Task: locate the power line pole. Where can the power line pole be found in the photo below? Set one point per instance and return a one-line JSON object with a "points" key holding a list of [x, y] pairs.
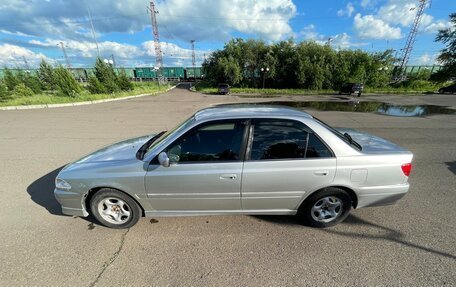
{"points": [[93, 30], [193, 58], [406, 51], [65, 55], [157, 45]]}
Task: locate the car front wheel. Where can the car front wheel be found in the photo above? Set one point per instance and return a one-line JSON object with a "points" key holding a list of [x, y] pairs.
{"points": [[326, 208], [115, 209]]}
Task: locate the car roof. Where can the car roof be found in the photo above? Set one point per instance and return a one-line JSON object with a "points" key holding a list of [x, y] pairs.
{"points": [[248, 111]]}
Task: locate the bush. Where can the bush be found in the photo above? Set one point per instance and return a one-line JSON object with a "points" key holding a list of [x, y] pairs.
{"points": [[95, 86], [4, 93], [123, 82], [46, 75], [22, 90], [106, 76], [65, 83], [32, 82], [11, 81]]}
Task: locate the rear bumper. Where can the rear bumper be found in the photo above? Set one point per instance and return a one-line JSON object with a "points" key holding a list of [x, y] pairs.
{"points": [[381, 195], [71, 202]]}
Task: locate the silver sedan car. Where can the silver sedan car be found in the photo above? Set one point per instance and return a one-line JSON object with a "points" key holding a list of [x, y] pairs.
{"points": [[237, 159]]}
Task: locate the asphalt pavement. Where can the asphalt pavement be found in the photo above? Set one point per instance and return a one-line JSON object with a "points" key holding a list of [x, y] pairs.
{"points": [[411, 243]]}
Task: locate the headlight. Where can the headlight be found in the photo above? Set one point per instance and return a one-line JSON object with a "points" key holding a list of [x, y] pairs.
{"points": [[61, 184]]}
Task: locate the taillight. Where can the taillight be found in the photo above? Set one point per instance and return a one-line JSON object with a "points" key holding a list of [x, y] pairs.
{"points": [[406, 168]]}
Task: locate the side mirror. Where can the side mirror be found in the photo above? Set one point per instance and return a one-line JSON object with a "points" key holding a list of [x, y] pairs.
{"points": [[163, 159]]}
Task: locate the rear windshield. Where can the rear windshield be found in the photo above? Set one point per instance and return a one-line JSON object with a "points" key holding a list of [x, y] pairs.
{"points": [[223, 86], [353, 144]]}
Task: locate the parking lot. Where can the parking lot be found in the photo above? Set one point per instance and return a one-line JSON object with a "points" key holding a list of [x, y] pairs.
{"points": [[411, 243]]}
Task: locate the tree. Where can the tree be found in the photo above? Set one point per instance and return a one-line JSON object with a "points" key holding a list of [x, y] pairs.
{"points": [[105, 74], [46, 75], [11, 81], [4, 93], [124, 82], [448, 54], [65, 83]]}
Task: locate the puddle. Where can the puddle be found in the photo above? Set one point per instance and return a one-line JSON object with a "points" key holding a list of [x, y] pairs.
{"points": [[369, 107], [153, 221]]}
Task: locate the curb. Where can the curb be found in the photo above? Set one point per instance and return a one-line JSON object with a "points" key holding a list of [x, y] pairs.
{"points": [[51, 106]]}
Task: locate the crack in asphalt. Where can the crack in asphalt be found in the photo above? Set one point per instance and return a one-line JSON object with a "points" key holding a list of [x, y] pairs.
{"points": [[111, 259]]}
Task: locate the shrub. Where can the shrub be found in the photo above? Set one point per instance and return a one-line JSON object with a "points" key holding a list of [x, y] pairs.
{"points": [[10, 79], [65, 83], [105, 74], [32, 82], [22, 90], [4, 93], [46, 75], [124, 82], [95, 86]]}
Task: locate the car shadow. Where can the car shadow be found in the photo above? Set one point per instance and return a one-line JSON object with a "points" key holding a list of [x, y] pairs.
{"points": [[383, 233], [451, 166], [41, 191]]}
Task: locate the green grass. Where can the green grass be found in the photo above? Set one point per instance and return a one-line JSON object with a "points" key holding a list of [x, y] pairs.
{"points": [[50, 98], [416, 90]]}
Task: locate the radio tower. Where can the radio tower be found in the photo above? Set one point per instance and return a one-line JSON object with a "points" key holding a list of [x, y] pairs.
{"points": [[411, 38], [193, 58], [158, 50]]}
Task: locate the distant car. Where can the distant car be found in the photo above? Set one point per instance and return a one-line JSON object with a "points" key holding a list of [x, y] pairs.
{"points": [[450, 89], [237, 159], [352, 88], [223, 89]]}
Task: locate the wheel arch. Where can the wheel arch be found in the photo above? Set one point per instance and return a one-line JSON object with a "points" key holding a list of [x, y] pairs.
{"points": [[348, 190], [89, 195]]}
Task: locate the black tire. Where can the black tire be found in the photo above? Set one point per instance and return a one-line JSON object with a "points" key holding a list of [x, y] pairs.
{"points": [[337, 195], [122, 204]]}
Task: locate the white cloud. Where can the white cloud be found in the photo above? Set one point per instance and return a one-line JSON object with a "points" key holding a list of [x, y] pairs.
{"points": [[343, 41], [348, 11], [436, 26], [386, 23], [180, 19], [366, 3], [13, 56], [309, 33], [338, 41], [426, 59], [369, 26]]}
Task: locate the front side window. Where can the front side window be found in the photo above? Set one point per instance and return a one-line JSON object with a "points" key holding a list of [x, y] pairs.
{"points": [[216, 141]]}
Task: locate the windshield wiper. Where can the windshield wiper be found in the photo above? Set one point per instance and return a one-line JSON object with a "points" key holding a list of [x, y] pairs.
{"points": [[142, 150], [351, 141]]}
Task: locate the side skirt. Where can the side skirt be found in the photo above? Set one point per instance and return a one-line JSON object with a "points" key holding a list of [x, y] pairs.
{"points": [[174, 213]]}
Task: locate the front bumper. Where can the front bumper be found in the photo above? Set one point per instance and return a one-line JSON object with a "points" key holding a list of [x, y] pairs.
{"points": [[381, 195], [72, 203]]}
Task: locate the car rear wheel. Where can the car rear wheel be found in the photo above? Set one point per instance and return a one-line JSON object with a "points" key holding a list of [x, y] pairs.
{"points": [[326, 208], [115, 209]]}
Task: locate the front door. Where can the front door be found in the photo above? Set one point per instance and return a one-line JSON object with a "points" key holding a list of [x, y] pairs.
{"points": [[205, 172], [285, 162]]}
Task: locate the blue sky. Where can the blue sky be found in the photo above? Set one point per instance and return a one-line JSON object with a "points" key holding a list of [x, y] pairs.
{"points": [[31, 30]]}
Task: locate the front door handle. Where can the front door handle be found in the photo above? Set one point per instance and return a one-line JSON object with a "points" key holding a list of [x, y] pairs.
{"points": [[228, 176], [321, 172]]}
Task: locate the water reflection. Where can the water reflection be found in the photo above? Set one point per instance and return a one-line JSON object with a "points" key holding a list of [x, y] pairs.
{"points": [[370, 107]]}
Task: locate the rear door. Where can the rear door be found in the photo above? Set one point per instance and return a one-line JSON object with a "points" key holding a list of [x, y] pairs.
{"points": [[285, 161]]}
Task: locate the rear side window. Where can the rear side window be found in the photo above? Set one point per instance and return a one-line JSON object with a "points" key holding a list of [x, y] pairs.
{"points": [[285, 139]]}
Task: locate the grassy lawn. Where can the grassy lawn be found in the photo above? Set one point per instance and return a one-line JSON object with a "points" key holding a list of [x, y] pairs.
{"points": [[203, 88], [48, 97]]}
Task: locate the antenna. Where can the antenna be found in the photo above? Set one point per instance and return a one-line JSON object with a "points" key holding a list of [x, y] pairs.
{"points": [[158, 50], [93, 30], [406, 51], [193, 57], [26, 63], [65, 55]]}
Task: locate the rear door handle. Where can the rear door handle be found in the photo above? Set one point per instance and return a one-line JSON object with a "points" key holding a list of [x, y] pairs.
{"points": [[321, 172], [228, 176]]}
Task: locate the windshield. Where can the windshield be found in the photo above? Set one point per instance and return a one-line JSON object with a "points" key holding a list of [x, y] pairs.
{"points": [[348, 139], [169, 133]]}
